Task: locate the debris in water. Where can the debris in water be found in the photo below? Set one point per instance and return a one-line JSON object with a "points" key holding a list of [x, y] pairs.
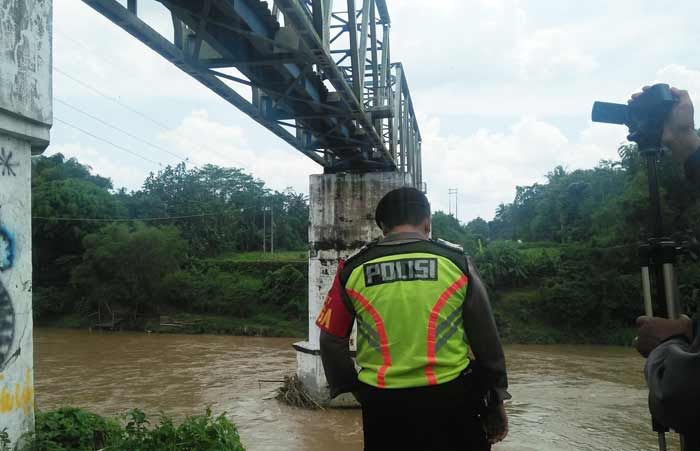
{"points": [[292, 392]]}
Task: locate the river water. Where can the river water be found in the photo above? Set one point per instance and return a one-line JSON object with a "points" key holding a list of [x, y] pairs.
{"points": [[579, 398]]}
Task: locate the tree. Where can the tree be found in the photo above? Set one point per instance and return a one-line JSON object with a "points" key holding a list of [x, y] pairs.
{"points": [[125, 266]]}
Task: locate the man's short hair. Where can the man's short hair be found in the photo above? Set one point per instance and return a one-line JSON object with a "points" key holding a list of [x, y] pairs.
{"points": [[402, 206]]}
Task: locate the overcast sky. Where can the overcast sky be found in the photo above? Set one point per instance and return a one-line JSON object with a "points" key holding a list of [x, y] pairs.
{"points": [[503, 90]]}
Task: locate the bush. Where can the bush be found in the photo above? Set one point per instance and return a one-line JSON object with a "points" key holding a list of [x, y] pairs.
{"points": [[76, 429], [71, 428], [502, 264], [286, 288]]}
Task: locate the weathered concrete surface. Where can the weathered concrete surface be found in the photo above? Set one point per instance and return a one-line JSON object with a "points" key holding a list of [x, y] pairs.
{"points": [[25, 121], [25, 70], [341, 222], [16, 362]]}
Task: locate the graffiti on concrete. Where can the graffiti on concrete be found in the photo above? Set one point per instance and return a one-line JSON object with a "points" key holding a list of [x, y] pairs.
{"points": [[7, 328], [7, 166], [19, 397], [7, 249]]}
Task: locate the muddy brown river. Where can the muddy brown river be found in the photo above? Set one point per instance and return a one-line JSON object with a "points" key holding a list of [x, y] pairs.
{"points": [[579, 398]]}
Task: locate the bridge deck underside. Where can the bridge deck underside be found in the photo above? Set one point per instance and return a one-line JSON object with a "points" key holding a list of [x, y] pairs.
{"points": [[286, 87]]}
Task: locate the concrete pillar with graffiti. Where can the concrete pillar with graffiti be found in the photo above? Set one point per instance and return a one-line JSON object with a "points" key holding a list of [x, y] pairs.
{"points": [[25, 120]]}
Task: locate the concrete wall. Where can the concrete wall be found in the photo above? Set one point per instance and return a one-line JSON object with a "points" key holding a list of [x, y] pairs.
{"points": [[16, 363], [341, 222], [25, 121]]}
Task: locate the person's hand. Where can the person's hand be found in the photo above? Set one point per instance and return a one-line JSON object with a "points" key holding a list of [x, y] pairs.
{"points": [[496, 423], [654, 331], [679, 131]]}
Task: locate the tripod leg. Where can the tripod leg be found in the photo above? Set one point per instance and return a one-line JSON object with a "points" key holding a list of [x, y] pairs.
{"points": [[662, 441], [646, 288], [670, 290]]}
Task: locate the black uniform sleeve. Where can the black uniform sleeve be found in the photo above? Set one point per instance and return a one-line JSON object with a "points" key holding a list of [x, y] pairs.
{"points": [[484, 341], [338, 364], [673, 376]]}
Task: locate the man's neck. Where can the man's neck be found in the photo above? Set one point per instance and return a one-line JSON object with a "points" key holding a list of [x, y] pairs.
{"points": [[409, 229]]}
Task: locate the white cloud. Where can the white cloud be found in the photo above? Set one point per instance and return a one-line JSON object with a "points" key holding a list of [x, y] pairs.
{"points": [[513, 67], [208, 141], [552, 53], [487, 165], [123, 173], [682, 77]]}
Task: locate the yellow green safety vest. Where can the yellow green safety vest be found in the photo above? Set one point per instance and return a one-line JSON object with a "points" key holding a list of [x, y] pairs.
{"points": [[408, 302]]}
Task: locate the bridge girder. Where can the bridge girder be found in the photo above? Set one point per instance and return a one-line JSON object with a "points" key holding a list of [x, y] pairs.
{"points": [[323, 81]]}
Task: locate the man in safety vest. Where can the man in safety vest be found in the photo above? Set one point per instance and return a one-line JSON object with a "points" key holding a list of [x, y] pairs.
{"points": [[420, 308]]}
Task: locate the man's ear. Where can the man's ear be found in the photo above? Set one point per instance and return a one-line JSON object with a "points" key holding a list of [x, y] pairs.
{"points": [[385, 232], [427, 226]]}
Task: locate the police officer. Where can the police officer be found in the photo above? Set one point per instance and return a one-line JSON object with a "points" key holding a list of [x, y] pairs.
{"points": [[420, 308]]}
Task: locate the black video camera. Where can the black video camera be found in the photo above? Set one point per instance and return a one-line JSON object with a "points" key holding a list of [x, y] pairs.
{"points": [[644, 116]]}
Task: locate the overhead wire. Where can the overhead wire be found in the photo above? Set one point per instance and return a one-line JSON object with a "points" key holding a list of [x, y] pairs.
{"points": [[164, 218], [99, 138], [114, 127], [133, 110]]}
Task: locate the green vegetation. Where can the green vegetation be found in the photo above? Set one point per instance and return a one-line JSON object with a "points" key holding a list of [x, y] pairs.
{"points": [[200, 272], [76, 429], [560, 260]]}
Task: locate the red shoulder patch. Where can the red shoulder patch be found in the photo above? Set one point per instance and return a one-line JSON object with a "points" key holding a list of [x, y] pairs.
{"points": [[334, 318]]}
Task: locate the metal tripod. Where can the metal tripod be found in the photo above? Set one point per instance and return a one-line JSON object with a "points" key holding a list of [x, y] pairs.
{"points": [[657, 260]]}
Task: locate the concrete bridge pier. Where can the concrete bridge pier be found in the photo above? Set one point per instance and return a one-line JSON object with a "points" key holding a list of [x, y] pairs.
{"points": [[25, 120], [341, 222]]}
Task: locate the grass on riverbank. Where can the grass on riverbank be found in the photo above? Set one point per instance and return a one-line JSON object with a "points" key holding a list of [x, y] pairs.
{"points": [[282, 256], [518, 324], [259, 325], [70, 428]]}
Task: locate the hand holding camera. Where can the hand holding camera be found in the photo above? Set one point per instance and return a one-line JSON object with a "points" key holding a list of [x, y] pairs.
{"points": [[679, 133]]}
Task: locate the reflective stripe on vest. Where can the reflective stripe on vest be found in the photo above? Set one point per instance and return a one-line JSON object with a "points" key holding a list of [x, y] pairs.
{"points": [[409, 320]]}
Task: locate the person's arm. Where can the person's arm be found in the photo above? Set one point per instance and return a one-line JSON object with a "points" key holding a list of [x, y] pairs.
{"points": [[485, 343], [673, 375], [482, 333], [335, 322]]}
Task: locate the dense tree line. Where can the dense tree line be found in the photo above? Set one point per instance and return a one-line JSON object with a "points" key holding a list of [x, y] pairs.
{"points": [[560, 260], [145, 252], [563, 254]]}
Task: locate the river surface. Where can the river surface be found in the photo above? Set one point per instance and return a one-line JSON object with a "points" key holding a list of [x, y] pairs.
{"points": [[579, 398]]}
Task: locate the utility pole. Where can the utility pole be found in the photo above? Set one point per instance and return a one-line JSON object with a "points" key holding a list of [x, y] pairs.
{"points": [[272, 229], [264, 230], [454, 192]]}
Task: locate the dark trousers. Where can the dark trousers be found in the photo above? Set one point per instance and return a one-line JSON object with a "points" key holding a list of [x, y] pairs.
{"points": [[437, 418]]}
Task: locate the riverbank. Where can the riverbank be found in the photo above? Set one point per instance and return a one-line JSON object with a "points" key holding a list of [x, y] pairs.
{"points": [[514, 311], [260, 325]]}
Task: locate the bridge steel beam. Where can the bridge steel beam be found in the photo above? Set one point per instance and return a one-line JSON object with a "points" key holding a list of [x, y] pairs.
{"points": [[130, 23], [26, 116]]}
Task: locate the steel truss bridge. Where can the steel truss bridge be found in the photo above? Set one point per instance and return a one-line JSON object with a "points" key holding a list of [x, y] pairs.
{"points": [[317, 73]]}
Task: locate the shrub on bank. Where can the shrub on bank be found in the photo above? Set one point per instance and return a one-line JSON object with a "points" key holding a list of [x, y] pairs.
{"points": [[70, 428]]}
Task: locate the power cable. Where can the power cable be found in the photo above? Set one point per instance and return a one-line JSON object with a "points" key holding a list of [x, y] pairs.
{"points": [[164, 218], [135, 111], [114, 127], [111, 98], [124, 149]]}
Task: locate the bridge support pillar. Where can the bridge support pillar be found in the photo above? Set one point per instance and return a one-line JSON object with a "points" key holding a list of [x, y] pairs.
{"points": [[341, 222], [25, 120]]}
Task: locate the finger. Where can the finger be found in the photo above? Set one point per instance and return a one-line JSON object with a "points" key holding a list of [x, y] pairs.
{"points": [[681, 94], [642, 320]]}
